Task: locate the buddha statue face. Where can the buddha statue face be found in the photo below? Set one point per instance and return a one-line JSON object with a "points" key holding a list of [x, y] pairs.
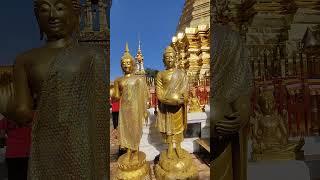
{"points": [[57, 18], [168, 59], [267, 104], [127, 66]]}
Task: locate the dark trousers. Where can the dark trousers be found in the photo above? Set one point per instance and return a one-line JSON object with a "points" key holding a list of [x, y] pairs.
{"points": [[115, 117], [17, 168]]}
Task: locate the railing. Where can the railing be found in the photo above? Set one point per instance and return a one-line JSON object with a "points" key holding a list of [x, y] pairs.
{"points": [[289, 77]]}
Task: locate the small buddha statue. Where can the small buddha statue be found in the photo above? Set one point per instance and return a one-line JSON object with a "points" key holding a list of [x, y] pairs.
{"points": [[270, 134], [194, 103], [132, 92]]}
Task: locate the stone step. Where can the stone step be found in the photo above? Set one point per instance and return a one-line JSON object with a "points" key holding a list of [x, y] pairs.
{"points": [[205, 143]]}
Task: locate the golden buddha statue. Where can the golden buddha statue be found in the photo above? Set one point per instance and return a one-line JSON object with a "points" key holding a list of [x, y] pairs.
{"points": [[172, 93], [194, 103], [231, 85], [65, 85], [270, 134], [132, 92]]}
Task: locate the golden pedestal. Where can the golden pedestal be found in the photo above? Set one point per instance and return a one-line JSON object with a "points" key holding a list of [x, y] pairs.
{"points": [[170, 169], [278, 156], [136, 169]]}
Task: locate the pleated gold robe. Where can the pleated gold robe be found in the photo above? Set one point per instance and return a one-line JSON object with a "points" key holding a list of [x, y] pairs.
{"points": [[172, 119], [133, 111], [70, 133]]}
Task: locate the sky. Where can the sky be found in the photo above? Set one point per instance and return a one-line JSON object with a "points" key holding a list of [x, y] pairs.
{"points": [[154, 21], [18, 29]]}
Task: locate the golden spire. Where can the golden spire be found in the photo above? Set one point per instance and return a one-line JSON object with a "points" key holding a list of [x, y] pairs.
{"points": [[139, 56], [139, 47], [126, 54], [127, 47]]}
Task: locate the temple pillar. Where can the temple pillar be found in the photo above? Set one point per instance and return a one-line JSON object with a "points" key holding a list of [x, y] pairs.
{"points": [[314, 110], [102, 16], [193, 54], [205, 50], [88, 23]]}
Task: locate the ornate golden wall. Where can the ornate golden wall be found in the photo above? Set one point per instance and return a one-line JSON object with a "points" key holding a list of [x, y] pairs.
{"points": [[192, 39], [193, 47]]}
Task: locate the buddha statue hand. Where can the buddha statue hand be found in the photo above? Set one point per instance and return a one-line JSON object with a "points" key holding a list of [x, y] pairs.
{"points": [[174, 100], [231, 124], [178, 99]]}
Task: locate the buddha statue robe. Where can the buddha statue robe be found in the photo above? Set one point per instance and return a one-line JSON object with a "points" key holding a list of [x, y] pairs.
{"points": [[133, 110], [172, 118], [70, 129]]}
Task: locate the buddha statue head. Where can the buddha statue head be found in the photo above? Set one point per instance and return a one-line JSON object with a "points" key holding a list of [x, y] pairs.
{"points": [[57, 19], [267, 102], [127, 62], [169, 57]]}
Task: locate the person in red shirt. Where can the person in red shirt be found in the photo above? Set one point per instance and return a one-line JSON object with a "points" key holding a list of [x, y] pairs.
{"points": [[115, 112], [18, 142]]}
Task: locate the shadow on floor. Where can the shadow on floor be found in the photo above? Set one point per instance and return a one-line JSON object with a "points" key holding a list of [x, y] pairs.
{"points": [[3, 171]]}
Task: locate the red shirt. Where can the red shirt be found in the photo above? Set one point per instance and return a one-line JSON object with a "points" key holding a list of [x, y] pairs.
{"points": [[115, 106], [18, 139]]}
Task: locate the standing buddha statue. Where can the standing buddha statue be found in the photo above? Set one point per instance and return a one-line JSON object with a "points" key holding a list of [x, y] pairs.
{"points": [[132, 92], [172, 94], [64, 84], [231, 84]]}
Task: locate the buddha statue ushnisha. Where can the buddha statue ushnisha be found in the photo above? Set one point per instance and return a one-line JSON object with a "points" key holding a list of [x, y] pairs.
{"points": [[64, 85], [133, 93]]}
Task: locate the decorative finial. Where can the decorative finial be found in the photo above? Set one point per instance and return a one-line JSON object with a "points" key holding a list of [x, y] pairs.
{"points": [[139, 56], [139, 47], [126, 54], [127, 47]]}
